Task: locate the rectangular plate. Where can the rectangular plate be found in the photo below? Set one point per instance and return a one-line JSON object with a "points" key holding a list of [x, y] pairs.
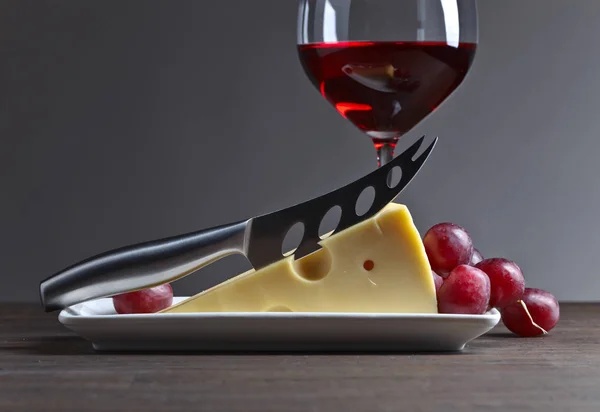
{"points": [[98, 322]]}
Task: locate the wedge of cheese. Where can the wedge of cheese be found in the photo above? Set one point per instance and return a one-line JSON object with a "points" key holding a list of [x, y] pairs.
{"points": [[378, 265]]}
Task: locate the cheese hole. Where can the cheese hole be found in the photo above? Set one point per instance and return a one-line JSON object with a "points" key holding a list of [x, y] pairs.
{"points": [[279, 308], [315, 266], [330, 222], [292, 239], [368, 265], [365, 200], [394, 177]]}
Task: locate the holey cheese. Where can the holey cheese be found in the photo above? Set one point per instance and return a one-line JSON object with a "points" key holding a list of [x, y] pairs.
{"points": [[378, 265]]}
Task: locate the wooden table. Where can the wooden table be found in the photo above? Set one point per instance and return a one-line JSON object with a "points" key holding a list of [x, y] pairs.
{"points": [[43, 366]]}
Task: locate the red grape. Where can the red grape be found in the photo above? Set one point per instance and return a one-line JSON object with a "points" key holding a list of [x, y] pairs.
{"points": [[465, 290], [144, 301], [438, 280], [506, 279], [535, 314], [447, 245], [476, 257]]}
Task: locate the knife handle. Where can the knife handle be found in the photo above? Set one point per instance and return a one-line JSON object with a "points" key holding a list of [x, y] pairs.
{"points": [[141, 265]]}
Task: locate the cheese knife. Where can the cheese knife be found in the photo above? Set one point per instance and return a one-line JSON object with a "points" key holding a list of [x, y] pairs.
{"points": [[260, 238]]}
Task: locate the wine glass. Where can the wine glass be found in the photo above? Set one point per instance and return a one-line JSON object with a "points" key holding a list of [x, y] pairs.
{"points": [[386, 64]]}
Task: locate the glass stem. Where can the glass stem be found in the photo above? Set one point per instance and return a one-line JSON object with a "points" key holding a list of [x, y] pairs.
{"points": [[385, 153]]}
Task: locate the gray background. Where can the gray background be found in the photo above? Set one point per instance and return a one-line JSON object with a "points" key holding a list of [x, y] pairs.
{"points": [[123, 121]]}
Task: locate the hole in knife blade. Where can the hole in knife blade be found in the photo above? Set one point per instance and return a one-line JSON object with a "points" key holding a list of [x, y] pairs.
{"points": [[330, 222], [292, 239], [365, 201], [394, 177]]}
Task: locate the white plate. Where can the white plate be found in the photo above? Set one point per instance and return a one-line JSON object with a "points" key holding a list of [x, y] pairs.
{"points": [[97, 322]]}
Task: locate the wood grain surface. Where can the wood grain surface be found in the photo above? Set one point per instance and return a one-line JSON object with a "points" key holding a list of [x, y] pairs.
{"points": [[43, 366]]}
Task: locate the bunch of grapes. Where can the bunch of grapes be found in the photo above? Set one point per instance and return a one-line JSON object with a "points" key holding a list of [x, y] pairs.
{"points": [[466, 283]]}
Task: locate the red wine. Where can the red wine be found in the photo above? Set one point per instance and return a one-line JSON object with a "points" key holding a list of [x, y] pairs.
{"points": [[386, 88]]}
